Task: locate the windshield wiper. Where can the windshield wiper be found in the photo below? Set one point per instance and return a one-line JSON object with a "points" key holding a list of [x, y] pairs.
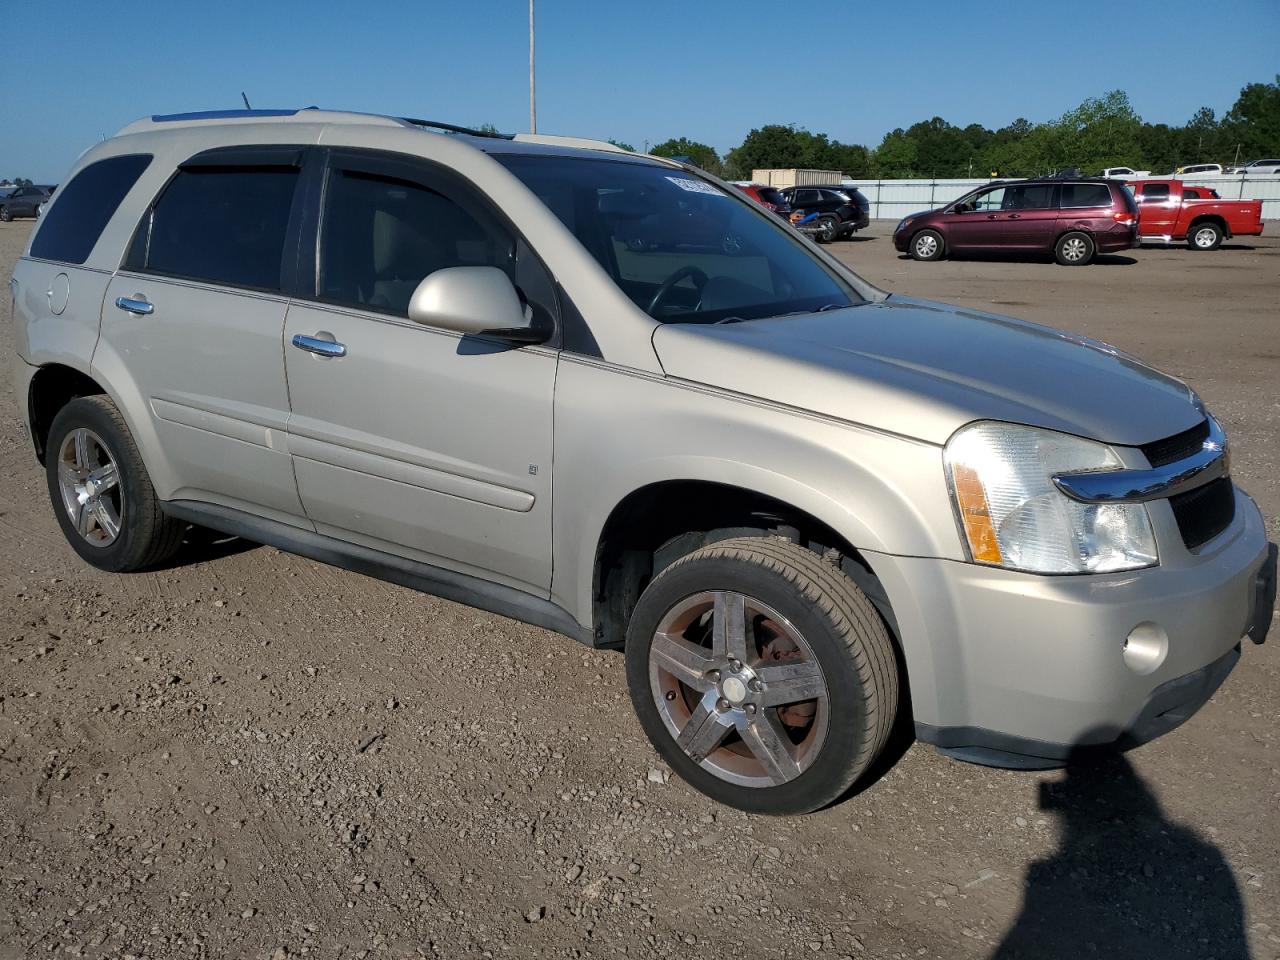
{"points": [[730, 320]]}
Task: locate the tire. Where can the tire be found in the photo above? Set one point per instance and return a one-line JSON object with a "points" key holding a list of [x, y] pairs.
{"points": [[828, 230], [808, 630], [121, 527], [1074, 249], [927, 245], [1204, 236], [5, 215]]}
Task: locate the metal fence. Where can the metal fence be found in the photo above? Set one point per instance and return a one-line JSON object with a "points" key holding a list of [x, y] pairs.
{"points": [[894, 199]]}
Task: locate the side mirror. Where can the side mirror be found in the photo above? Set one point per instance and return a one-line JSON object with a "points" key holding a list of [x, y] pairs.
{"points": [[473, 300]]}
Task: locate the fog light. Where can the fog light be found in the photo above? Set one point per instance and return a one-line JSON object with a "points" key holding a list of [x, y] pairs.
{"points": [[1145, 648]]}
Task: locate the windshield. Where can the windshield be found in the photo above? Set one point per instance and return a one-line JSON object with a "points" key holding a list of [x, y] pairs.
{"points": [[681, 248]]}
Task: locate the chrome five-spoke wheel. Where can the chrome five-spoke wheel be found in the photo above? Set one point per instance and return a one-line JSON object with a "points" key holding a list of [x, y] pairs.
{"points": [[738, 688], [89, 482]]}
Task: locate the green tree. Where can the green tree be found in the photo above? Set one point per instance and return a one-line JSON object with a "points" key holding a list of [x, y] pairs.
{"points": [[1253, 122], [1101, 132], [896, 155], [625, 146], [777, 146], [699, 154]]}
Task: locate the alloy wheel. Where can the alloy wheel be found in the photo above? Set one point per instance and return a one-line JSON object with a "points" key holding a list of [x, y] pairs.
{"points": [[89, 482], [1206, 237], [739, 689], [926, 245], [1074, 249]]}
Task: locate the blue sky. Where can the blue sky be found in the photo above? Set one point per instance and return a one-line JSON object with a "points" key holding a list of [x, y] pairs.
{"points": [[635, 71]]}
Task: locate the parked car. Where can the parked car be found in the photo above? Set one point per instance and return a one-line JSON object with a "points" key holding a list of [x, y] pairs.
{"points": [[785, 494], [1269, 168], [1200, 170], [1123, 173], [841, 210], [770, 198], [23, 202], [1071, 219], [1170, 212]]}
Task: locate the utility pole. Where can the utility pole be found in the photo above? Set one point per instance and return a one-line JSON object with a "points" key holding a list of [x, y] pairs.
{"points": [[533, 103]]}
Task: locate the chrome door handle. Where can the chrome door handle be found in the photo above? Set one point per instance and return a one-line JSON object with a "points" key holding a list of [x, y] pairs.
{"points": [[1015, 216], [319, 346], [135, 305]]}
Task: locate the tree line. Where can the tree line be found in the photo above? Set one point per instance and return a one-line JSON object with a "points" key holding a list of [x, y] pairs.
{"points": [[1101, 132]]}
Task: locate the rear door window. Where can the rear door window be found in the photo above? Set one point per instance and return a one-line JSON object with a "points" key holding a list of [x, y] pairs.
{"points": [[223, 225], [807, 197], [1032, 196], [1086, 195], [1154, 191], [72, 226]]}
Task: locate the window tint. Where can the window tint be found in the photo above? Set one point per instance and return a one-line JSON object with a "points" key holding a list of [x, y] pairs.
{"points": [[1155, 191], [807, 196], [381, 236], [222, 225], [1190, 194], [1028, 197], [1086, 195], [71, 227], [772, 195]]}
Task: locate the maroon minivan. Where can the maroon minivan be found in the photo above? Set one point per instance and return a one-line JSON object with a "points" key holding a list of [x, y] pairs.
{"points": [[1072, 219]]}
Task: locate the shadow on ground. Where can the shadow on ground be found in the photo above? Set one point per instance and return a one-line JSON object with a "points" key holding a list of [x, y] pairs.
{"points": [[1126, 882]]}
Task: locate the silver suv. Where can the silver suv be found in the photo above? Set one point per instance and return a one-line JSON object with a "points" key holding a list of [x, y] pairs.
{"points": [[608, 395]]}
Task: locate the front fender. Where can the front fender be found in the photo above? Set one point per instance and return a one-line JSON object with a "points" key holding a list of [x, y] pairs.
{"points": [[618, 431]]}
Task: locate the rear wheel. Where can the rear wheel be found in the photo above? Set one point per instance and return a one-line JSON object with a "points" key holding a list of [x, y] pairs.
{"points": [[762, 674], [828, 230], [927, 245], [101, 494], [1205, 236], [1074, 249], [5, 215]]}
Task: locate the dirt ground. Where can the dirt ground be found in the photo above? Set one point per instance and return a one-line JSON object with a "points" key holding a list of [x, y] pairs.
{"points": [[254, 755]]}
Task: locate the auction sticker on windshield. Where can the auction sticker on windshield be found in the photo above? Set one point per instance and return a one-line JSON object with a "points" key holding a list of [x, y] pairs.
{"points": [[695, 186]]}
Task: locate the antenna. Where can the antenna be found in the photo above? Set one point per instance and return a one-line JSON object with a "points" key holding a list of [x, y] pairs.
{"points": [[533, 104], [246, 101]]}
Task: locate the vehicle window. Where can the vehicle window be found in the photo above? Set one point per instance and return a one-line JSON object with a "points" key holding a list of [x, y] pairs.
{"points": [[772, 195], [804, 197], [1086, 195], [1188, 194], [1155, 191], [683, 250], [835, 196], [1035, 196], [987, 200], [223, 225], [71, 227], [381, 235]]}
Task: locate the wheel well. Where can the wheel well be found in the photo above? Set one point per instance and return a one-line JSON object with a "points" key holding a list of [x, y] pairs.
{"points": [[1213, 218], [656, 525], [52, 388]]}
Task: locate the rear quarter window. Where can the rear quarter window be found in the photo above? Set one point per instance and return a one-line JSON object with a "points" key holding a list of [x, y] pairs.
{"points": [[1086, 195], [71, 227]]}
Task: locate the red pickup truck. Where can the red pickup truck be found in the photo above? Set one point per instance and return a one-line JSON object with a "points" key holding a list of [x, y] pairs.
{"points": [[1170, 211]]}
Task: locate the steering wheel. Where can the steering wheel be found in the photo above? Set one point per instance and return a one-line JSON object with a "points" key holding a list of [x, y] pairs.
{"points": [[691, 272]]}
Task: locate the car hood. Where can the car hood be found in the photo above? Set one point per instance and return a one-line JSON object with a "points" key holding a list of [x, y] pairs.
{"points": [[924, 369]]}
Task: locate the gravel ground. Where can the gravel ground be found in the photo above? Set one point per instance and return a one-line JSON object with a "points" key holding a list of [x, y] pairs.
{"points": [[253, 755]]}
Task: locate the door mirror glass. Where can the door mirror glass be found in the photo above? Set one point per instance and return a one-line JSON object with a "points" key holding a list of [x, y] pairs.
{"points": [[473, 300]]}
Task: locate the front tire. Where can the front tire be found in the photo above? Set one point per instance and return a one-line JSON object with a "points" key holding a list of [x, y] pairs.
{"points": [[1205, 236], [762, 675], [1074, 249], [5, 215], [101, 493], [927, 245]]}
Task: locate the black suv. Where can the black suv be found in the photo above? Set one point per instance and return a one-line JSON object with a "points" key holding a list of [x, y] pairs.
{"points": [[841, 210], [23, 202]]}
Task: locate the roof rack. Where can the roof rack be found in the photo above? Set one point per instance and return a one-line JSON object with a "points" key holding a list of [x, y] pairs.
{"points": [[454, 128]]}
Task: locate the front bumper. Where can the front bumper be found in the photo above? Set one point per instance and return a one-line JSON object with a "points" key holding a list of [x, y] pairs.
{"points": [[1017, 669]]}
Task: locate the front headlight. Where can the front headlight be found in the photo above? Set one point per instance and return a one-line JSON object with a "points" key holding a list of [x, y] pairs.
{"points": [[903, 224], [1001, 478]]}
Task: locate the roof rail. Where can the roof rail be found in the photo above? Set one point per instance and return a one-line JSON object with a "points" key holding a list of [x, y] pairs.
{"points": [[454, 128], [580, 142], [164, 121]]}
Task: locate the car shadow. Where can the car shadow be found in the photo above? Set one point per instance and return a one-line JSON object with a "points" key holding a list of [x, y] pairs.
{"points": [[1113, 260], [1125, 880], [201, 545], [1101, 260]]}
